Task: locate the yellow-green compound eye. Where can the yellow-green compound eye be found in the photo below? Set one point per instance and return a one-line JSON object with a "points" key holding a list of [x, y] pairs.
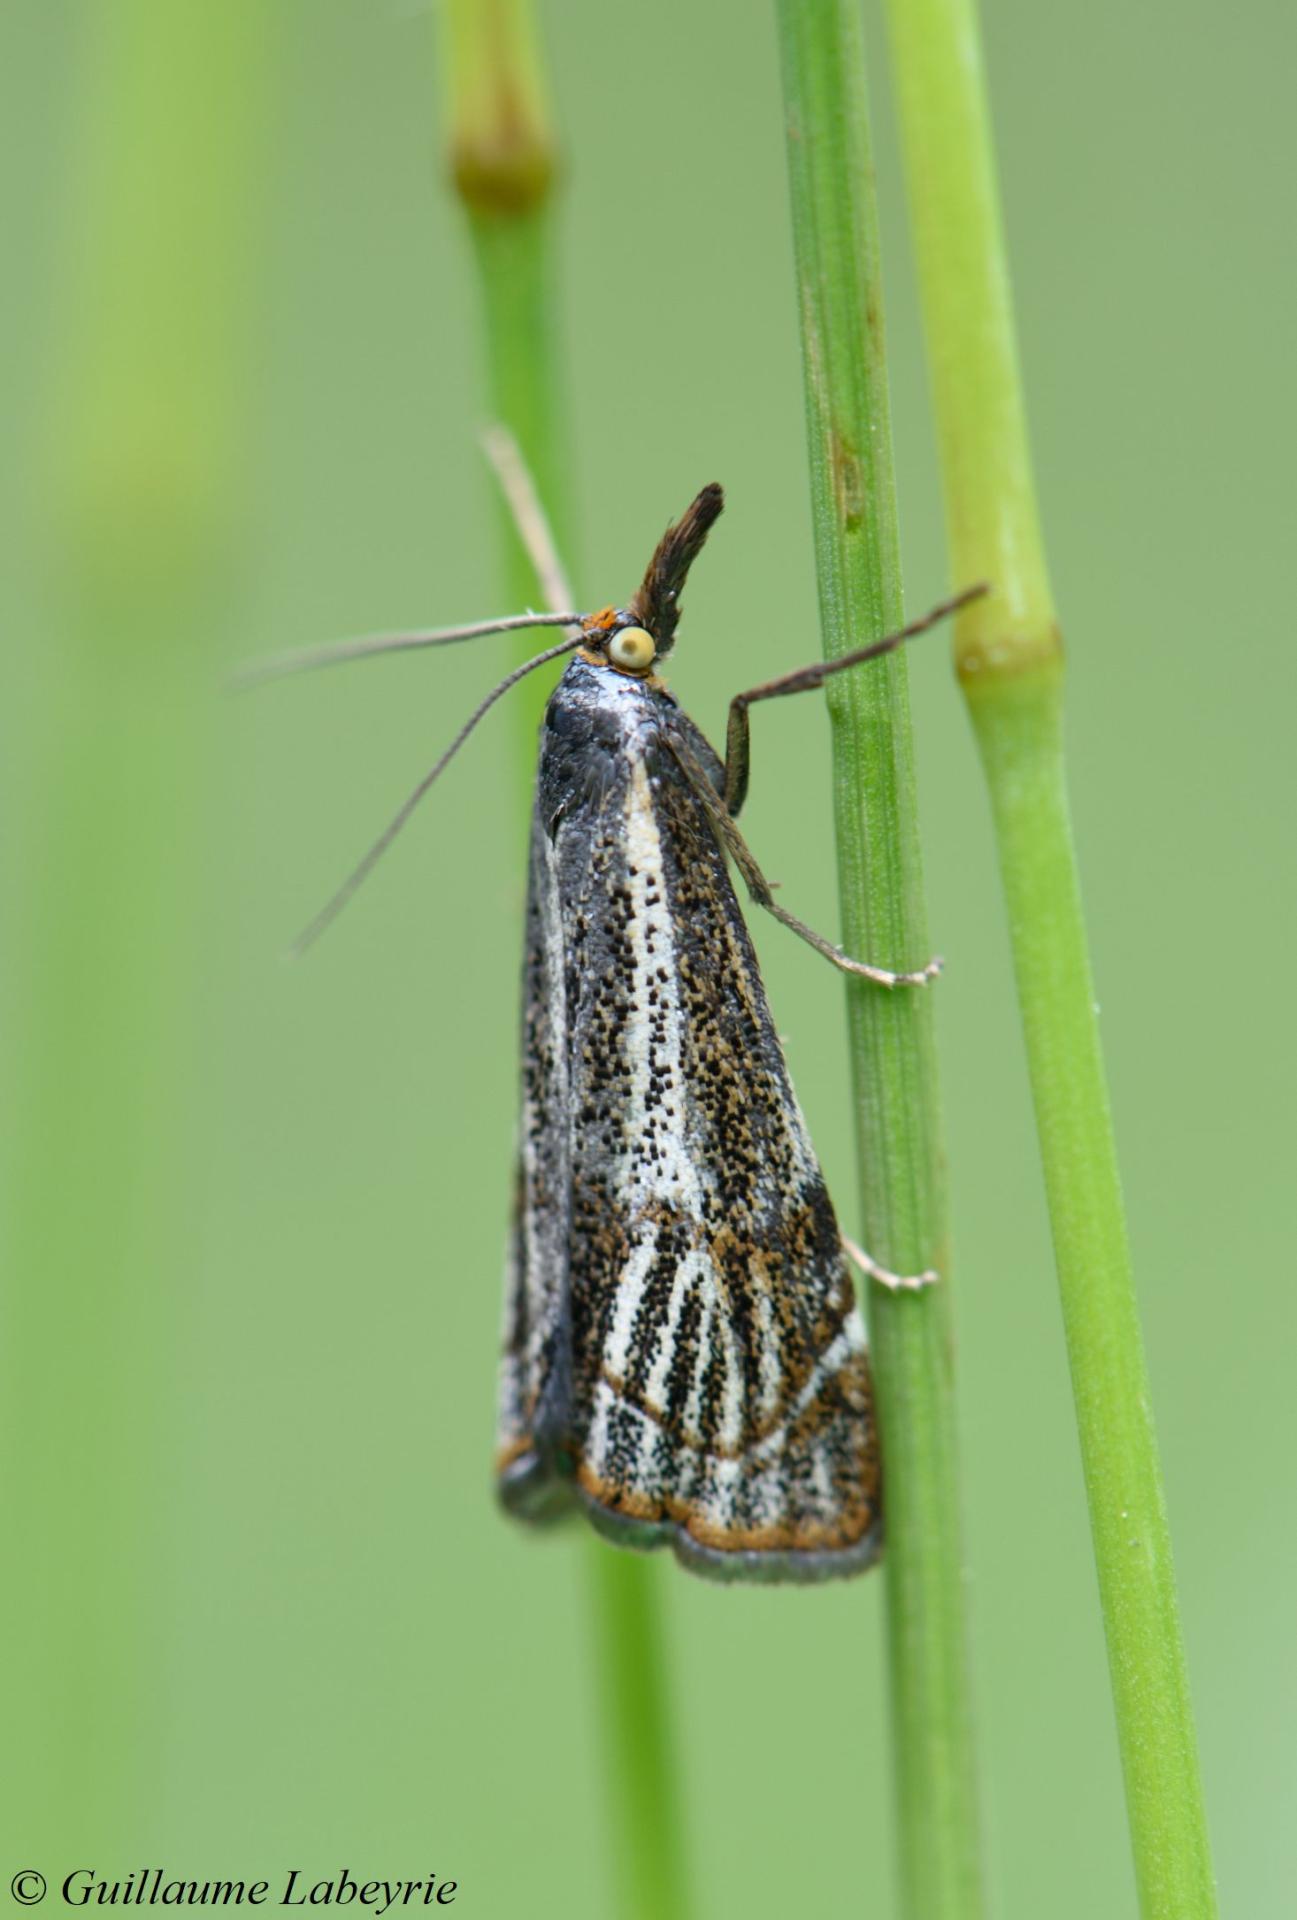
{"points": [[632, 650]]}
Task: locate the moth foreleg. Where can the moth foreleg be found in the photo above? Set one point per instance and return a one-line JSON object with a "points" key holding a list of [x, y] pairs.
{"points": [[894, 1282], [802, 680], [528, 515], [758, 886]]}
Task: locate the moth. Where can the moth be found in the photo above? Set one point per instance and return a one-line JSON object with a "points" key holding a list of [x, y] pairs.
{"points": [[683, 1354]]}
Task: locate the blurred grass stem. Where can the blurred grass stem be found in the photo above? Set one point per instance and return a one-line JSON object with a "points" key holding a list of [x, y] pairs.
{"points": [[504, 166], [505, 163], [902, 1188], [1011, 666], [141, 412]]}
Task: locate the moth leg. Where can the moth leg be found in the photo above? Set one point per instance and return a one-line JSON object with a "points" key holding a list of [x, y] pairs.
{"points": [[801, 680], [759, 887], [528, 515], [894, 1282]]}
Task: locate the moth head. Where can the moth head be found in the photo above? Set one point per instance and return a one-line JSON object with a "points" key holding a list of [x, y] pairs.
{"points": [[612, 636], [633, 638]]}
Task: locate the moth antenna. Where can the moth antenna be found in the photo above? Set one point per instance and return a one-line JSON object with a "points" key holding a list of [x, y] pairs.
{"points": [[332, 908], [529, 516], [656, 605], [278, 665]]}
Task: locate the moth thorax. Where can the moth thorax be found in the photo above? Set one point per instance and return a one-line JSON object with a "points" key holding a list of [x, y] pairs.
{"points": [[632, 649]]}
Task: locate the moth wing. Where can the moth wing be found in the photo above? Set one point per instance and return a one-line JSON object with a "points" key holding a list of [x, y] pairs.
{"points": [[719, 1396], [536, 1360]]}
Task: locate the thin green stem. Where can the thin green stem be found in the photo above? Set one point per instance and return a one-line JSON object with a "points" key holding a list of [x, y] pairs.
{"points": [[144, 398], [647, 1827], [515, 264], [902, 1189], [504, 165], [504, 161], [1010, 662]]}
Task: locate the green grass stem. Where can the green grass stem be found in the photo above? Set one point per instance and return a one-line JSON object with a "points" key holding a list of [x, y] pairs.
{"points": [[902, 1188], [504, 161], [1010, 663], [143, 401], [505, 164], [648, 1839]]}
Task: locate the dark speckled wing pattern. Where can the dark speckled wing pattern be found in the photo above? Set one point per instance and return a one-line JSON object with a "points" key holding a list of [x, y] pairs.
{"points": [[683, 1354]]}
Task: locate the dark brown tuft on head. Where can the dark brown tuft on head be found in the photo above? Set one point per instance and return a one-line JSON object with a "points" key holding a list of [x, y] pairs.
{"points": [[657, 603]]}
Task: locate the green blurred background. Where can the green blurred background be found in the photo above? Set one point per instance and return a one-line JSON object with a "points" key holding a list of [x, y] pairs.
{"points": [[260, 1611]]}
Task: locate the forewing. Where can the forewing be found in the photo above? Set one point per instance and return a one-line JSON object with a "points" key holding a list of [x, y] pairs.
{"points": [[535, 1366], [720, 1392]]}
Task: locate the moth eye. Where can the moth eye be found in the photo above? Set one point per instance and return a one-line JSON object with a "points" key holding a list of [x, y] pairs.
{"points": [[633, 649]]}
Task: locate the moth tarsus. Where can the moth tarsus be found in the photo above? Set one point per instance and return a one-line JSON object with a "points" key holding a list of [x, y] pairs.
{"points": [[894, 1282]]}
